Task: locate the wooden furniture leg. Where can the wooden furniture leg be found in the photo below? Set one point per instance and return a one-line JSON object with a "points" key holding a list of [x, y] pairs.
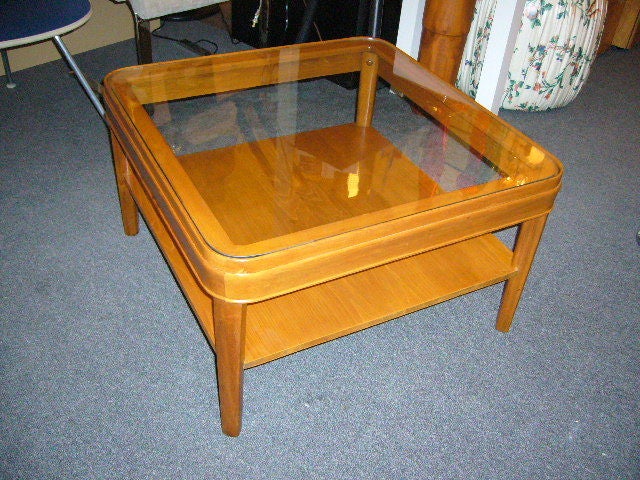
{"points": [[445, 25], [229, 320], [367, 89], [128, 208], [527, 240]]}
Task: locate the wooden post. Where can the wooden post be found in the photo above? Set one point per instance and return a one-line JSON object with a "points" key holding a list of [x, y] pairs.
{"points": [[128, 207], [527, 240], [367, 89], [445, 25], [229, 331]]}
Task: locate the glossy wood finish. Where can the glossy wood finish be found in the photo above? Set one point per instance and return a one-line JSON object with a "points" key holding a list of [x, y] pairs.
{"points": [[614, 12], [333, 309], [445, 25], [529, 235], [252, 185], [128, 207], [260, 295], [622, 25], [367, 92], [627, 33], [230, 323]]}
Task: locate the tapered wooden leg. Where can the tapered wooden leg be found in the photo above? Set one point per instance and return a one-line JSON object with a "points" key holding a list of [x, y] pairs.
{"points": [[229, 320], [527, 241], [128, 207], [367, 89]]}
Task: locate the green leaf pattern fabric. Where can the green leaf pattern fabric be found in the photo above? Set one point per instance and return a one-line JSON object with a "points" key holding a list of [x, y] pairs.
{"points": [[555, 47]]}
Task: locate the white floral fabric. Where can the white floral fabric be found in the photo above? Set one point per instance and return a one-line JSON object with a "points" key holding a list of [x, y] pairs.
{"points": [[555, 48]]}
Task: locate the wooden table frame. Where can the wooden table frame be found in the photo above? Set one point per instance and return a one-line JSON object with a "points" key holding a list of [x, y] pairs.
{"points": [[432, 255]]}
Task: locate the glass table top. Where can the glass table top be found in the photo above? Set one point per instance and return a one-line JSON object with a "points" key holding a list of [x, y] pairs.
{"points": [[267, 151]]}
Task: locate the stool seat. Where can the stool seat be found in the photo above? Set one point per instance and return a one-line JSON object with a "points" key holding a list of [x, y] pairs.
{"points": [[29, 21]]}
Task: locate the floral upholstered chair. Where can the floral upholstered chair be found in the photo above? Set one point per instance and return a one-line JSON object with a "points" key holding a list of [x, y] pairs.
{"points": [[555, 48]]}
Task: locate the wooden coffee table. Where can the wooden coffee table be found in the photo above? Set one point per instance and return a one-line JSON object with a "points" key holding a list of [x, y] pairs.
{"points": [[293, 211]]}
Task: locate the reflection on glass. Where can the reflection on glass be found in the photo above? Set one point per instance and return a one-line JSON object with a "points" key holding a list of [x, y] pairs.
{"points": [[279, 155], [284, 162]]}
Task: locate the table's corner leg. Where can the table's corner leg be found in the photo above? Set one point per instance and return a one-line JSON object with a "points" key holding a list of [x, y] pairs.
{"points": [[128, 207], [528, 238], [367, 89], [229, 321]]}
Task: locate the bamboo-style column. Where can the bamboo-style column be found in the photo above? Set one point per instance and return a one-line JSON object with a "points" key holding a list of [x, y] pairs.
{"points": [[445, 25]]}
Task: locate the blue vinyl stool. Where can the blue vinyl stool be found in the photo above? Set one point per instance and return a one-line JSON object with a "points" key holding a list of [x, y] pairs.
{"points": [[29, 21]]}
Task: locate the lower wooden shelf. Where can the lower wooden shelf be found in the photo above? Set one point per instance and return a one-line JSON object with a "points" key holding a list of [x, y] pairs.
{"points": [[290, 323], [308, 317]]}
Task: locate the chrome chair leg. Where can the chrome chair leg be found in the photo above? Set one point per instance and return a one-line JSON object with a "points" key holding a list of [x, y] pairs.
{"points": [[81, 78]]}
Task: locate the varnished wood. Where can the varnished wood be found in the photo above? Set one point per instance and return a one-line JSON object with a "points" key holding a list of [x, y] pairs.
{"points": [[529, 234], [171, 248], [627, 32], [221, 73], [445, 25], [128, 209], [247, 175], [255, 192], [230, 324], [260, 295], [302, 272], [349, 304], [614, 13], [367, 89]]}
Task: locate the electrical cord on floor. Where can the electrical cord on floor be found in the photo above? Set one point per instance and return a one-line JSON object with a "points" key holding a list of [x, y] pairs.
{"points": [[188, 44]]}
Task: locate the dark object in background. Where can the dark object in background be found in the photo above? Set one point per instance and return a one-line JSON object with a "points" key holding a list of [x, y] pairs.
{"points": [[279, 23]]}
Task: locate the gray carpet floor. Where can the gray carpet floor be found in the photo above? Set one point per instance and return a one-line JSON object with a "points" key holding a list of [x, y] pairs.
{"points": [[104, 373]]}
